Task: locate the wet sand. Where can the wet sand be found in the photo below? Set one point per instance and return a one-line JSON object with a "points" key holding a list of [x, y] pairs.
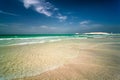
{"points": [[90, 59]]}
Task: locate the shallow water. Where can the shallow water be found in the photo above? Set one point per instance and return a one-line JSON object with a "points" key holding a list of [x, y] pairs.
{"points": [[7, 40]]}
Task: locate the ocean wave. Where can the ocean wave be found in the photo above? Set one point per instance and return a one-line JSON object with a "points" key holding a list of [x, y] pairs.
{"points": [[44, 39], [25, 38], [26, 43], [32, 42], [55, 37], [5, 39]]}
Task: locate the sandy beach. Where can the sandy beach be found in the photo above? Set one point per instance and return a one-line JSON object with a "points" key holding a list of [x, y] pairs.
{"points": [[59, 39], [75, 59]]}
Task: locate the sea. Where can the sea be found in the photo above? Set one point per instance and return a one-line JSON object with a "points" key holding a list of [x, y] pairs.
{"points": [[24, 39]]}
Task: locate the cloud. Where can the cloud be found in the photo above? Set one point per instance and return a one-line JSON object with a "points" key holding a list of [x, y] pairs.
{"points": [[84, 22], [88, 23], [97, 25], [44, 7], [8, 13], [41, 6], [41, 29], [46, 27], [61, 17]]}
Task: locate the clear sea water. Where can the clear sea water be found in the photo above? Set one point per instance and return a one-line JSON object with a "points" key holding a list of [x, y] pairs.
{"points": [[7, 40]]}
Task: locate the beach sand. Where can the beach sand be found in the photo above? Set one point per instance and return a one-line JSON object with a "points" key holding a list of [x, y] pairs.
{"points": [[76, 59]]}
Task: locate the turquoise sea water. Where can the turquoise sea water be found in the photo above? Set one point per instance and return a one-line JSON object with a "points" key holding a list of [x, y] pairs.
{"points": [[7, 40]]}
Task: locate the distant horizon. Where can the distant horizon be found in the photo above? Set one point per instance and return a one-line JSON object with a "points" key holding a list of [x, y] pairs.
{"points": [[54, 33]]}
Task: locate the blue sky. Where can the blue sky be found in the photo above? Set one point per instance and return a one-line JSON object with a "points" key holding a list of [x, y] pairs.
{"points": [[59, 16]]}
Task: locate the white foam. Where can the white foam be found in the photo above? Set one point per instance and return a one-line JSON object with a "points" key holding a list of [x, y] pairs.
{"points": [[26, 43], [35, 42], [27, 38], [6, 38], [54, 40]]}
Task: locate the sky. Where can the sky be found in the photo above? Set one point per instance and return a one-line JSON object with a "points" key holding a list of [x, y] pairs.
{"points": [[59, 16]]}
